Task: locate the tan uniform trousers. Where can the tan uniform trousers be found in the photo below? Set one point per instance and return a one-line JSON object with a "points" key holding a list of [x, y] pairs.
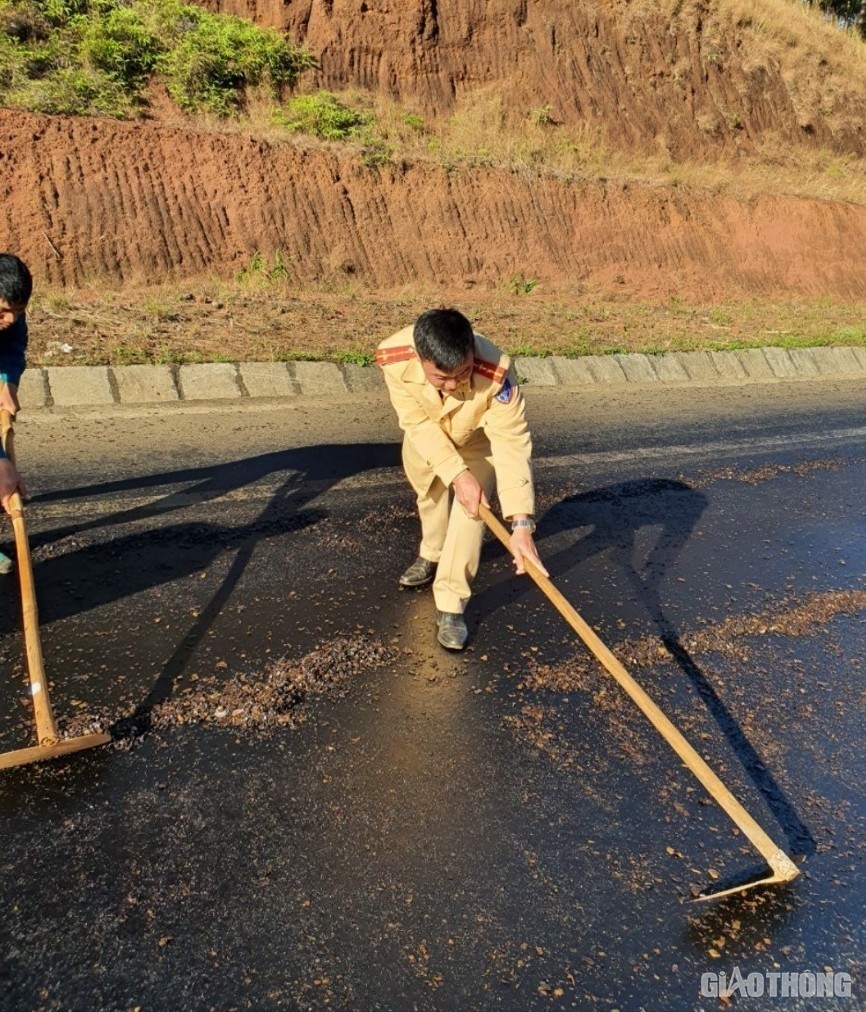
{"points": [[448, 536]]}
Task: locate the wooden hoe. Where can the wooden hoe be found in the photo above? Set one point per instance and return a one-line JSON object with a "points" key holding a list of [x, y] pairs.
{"points": [[50, 742], [782, 867]]}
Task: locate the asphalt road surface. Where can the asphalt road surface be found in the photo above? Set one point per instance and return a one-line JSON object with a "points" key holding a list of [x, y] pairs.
{"points": [[499, 829]]}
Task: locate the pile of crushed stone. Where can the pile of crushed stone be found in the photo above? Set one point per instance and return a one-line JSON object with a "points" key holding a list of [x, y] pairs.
{"points": [[252, 701], [274, 696]]}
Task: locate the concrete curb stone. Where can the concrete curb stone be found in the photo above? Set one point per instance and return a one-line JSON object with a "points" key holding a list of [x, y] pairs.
{"points": [[208, 381], [318, 378], [94, 386], [803, 361], [145, 384], [832, 361], [80, 384], [572, 371], [637, 368], [669, 369], [33, 388], [607, 369], [537, 371], [729, 366], [362, 379], [699, 365], [755, 364], [780, 362], [267, 379]]}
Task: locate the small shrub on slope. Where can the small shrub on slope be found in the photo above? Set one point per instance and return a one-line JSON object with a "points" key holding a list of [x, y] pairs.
{"points": [[97, 56]]}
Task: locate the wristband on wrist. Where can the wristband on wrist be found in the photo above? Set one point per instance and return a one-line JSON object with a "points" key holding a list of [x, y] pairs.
{"points": [[528, 523]]}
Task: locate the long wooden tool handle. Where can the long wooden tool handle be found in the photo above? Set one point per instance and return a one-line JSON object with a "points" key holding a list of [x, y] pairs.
{"points": [[46, 727], [772, 854]]}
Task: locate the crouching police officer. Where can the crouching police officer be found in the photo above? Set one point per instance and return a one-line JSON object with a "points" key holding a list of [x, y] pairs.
{"points": [[464, 424]]}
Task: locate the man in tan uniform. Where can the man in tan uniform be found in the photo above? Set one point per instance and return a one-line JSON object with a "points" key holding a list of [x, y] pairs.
{"points": [[464, 425]]}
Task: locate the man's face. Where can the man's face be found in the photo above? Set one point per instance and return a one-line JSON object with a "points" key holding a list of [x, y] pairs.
{"points": [[448, 382], [9, 313]]}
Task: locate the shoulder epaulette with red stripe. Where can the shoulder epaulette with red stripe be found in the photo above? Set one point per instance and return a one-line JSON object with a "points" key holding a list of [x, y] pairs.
{"points": [[388, 356], [494, 372]]}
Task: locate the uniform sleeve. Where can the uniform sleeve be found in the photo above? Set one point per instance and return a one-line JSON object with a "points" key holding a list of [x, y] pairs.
{"points": [[13, 344], [425, 436], [508, 431]]}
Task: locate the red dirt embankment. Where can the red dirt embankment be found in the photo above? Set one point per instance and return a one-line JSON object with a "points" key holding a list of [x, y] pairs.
{"points": [[691, 78], [89, 199]]}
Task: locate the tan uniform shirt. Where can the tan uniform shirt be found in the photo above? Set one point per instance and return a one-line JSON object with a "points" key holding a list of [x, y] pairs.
{"points": [[489, 404]]}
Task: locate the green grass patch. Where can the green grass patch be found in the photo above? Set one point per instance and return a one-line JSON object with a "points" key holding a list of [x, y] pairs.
{"points": [[354, 358], [330, 118], [263, 271], [323, 115]]}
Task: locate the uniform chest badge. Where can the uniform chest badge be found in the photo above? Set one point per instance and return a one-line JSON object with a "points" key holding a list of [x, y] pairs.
{"points": [[505, 394]]}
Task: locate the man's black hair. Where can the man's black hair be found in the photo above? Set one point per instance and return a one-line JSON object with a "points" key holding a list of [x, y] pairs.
{"points": [[443, 337], [16, 282]]}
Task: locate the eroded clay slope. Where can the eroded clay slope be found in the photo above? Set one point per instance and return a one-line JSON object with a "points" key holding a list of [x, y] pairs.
{"points": [[692, 78], [87, 199]]}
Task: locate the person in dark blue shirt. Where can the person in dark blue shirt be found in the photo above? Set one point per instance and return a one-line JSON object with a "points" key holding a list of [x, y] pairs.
{"points": [[16, 286]]}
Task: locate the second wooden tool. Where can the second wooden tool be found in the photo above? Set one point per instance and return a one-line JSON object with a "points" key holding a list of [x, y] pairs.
{"points": [[782, 868], [50, 744]]}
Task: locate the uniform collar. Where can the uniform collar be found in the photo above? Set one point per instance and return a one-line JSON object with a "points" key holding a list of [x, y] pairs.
{"points": [[414, 373]]}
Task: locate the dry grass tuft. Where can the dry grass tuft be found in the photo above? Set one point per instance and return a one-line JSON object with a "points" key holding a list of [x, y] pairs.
{"points": [[341, 320]]}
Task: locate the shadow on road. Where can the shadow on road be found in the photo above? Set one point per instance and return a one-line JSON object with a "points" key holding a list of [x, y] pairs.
{"points": [[311, 471], [614, 515], [102, 571]]}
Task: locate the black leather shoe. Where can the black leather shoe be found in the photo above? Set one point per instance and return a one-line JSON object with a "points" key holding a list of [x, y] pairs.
{"points": [[453, 633], [420, 572]]}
